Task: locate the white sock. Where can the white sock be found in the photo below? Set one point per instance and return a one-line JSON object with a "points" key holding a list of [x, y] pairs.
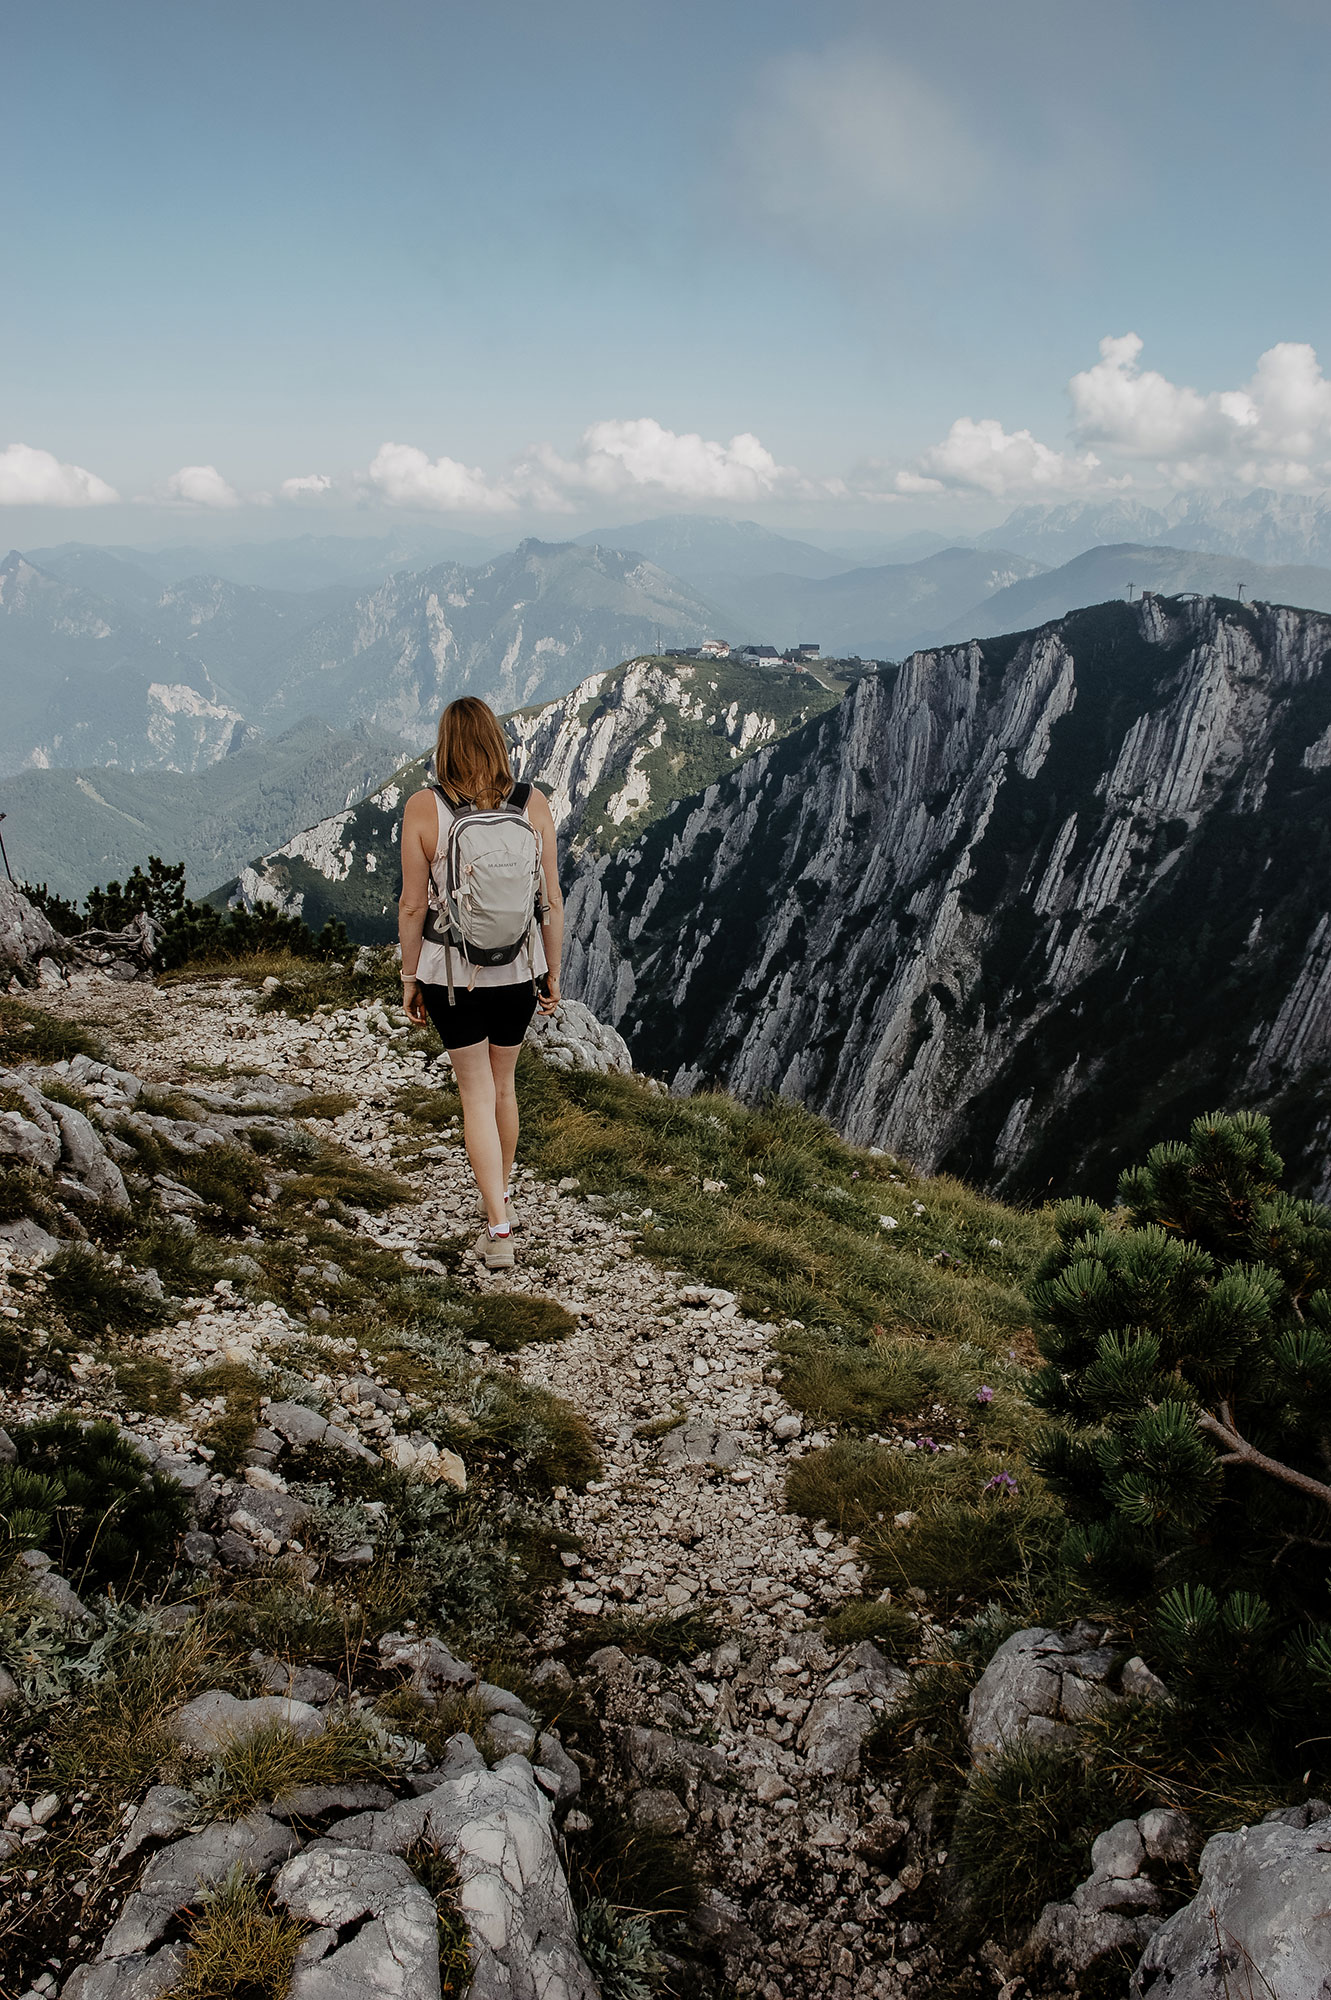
{"points": [[498, 1229]]}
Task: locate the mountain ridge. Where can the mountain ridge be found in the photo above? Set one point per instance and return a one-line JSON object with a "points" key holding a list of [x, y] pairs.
{"points": [[906, 912]]}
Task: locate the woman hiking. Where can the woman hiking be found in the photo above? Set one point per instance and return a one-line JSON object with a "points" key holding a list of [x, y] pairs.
{"points": [[457, 833]]}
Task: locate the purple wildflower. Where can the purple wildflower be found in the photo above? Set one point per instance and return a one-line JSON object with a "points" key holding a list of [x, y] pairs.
{"points": [[984, 1394], [1002, 1482]]}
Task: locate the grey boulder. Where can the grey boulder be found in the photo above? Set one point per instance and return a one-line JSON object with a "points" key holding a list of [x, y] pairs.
{"points": [[1260, 1921], [211, 1721], [176, 1875], [495, 1827], [833, 1735], [1037, 1685], [393, 1953]]}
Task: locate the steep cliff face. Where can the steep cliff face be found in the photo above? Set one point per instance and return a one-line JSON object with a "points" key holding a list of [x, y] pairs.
{"points": [[1019, 911], [613, 755]]}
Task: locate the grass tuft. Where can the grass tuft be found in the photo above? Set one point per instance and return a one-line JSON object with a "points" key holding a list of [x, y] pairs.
{"points": [[31, 1035], [241, 1946], [1024, 1829], [273, 1760], [509, 1320], [893, 1629]]}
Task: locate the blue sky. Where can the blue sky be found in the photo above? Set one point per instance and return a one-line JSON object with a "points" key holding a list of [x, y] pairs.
{"points": [[537, 250]]}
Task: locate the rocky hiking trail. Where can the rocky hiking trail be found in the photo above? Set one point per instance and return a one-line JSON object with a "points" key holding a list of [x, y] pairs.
{"points": [[751, 1752], [387, 1816]]}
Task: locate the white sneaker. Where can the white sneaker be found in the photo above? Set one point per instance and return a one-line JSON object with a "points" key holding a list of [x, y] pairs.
{"points": [[496, 1252], [513, 1212]]}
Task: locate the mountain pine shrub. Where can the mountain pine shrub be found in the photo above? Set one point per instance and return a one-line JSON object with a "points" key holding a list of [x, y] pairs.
{"points": [[87, 1498], [1187, 1347]]}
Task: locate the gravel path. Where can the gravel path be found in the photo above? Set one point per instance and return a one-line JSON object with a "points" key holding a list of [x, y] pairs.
{"points": [[753, 1750]]}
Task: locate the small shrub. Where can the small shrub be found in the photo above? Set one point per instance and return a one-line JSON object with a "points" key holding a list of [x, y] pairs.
{"points": [[545, 1437], [228, 1435], [95, 1298], [241, 1946], [226, 1177], [510, 1320], [148, 1385], [407, 1714], [620, 1950], [103, 1517], [1024, 1828], [893, 1629], [673, 1637], [324, 1104], [118, 1731], [31, 1035]]}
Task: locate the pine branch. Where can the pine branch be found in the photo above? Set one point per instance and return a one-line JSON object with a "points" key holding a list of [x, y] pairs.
{"points": [[1239, 1452]]}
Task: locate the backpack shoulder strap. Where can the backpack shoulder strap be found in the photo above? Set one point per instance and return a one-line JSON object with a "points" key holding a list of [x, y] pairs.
{"points": [[518, 797]]}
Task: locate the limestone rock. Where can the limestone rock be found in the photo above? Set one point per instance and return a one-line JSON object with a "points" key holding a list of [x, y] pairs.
{"points": [[392, 1956], [25, 934], [142, 1976], [572, 1038], [1035, 1686], [212, 1720], [87, 1159], [495, 1827], [658, 1811], [833, 1735], [429, 1661], [1260, 1921], [176, 1874]]}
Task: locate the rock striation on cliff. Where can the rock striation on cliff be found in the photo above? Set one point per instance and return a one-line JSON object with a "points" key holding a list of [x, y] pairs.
{"points": [[1016, 910]]}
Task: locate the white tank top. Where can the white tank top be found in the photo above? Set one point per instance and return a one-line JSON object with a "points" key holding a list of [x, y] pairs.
{"points": [[432, 966]]}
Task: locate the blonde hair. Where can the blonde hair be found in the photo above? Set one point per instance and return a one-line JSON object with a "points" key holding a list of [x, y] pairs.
{"points": [[471, 756]]}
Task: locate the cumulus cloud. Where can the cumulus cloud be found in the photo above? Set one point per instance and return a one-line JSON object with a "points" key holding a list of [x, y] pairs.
{"points": [[984, 458], [1276, 430], [201, 486], [307, 482], [405, 477], [615, 457], [33, 478], [625, 455], [847, 141]]}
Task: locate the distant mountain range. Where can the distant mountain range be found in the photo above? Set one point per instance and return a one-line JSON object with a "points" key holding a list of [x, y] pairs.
{"points": [[612, 755], [295, 563], [149, 675], [1018, 910], [70, 829], [1110, 572], [1263, 526], [878, 613]]}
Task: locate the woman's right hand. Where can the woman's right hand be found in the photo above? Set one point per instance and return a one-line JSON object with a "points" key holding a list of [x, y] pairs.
{"points": [[413, 1003], [549, 999]]}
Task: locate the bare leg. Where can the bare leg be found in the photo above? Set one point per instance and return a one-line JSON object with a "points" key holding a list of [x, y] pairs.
{"points": [[476, 1088], [503, 1063]]}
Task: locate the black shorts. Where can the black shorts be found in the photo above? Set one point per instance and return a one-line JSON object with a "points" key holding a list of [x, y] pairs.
{"points": [[498, 1014]]}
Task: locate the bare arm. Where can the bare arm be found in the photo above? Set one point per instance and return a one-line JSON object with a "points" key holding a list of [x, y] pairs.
{"points": [[552, 924], [420, 823]]}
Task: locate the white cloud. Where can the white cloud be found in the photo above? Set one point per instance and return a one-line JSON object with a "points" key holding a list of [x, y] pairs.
{"points": [[33, 478], [1276, 430], [201, 486], [984, 458], [615, 457], [846, 141], [635, 454], [406, 477], [308, 482]]}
